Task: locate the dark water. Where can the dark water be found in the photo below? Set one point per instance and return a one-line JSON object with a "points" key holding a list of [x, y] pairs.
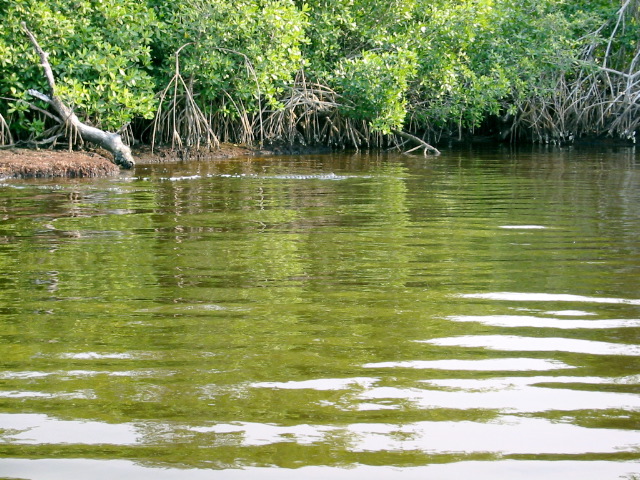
{"points": [[471, 316]]}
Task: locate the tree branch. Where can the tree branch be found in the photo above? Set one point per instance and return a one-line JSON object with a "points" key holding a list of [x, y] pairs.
{"points": [[111, 142], [44, 59], [420, 143]]}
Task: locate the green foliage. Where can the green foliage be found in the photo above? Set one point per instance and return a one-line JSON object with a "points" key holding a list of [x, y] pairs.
{"points": [[417, 64], [99, 51], [444, 63], [245, 50], [342, 29], [478, 57], [374, 87]]}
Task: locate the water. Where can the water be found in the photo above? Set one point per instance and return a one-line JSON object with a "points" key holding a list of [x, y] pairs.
{"points": [[476, 316]]}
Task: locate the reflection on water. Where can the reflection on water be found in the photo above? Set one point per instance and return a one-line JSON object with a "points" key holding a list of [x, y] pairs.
{"points": [[530, 321], [40, 429], [548, 297], [512, 469], [488, 365], [534, 344], [476, 315]]}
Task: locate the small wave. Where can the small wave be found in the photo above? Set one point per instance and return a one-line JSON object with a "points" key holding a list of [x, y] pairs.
{"points": [[42, 429], [486, 365], [319, 176], [539, 322], [259, 434], [523, 227], [319, 384], [79, 395], [28, 375], [525, 395], [570, 313], [536, 344], [547, 297], [187, 177], [97, 356]]}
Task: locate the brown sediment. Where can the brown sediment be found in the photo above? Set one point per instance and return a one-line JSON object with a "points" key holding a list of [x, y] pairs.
{"points": [[28, 163], [25, 163], [144, 155]]}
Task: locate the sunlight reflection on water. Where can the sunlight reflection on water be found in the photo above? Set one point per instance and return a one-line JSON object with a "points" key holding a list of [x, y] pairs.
{"points": [[488, 365], [511, 469], [538, 322], [219, 319], [535, 344], [547, 297]]}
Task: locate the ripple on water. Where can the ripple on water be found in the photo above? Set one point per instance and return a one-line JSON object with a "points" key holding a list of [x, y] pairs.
{"points": [[312, 176], [540, 322], [502, 435], [547, 297], [231, 346], [536, 344], [97, 356], [570, 313], [35, 429], [319, 384], [523, 227], [55, 469], [489, 364], [29, 375], [513, 395]]}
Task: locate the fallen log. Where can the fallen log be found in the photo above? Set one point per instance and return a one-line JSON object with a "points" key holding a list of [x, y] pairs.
{"points": [[112, 142]]}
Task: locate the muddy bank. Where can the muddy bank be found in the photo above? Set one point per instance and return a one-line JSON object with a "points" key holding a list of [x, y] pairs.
{"points": [[24, 163], [143, 154], [27, 163]]}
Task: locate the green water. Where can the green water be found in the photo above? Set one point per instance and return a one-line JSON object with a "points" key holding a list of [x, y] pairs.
{"points": [[475, 316]]}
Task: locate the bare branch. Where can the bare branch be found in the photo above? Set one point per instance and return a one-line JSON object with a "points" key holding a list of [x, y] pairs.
{"points": [[421, 143], [109, 141], [44, 59]]}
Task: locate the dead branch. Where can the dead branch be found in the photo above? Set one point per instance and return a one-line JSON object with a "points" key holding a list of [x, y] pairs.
{"points": [[111, 142], [35, 107], [421, 144]]}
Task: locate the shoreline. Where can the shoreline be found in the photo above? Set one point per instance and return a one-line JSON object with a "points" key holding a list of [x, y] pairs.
{"points": [[22, 163], [25, 163]]}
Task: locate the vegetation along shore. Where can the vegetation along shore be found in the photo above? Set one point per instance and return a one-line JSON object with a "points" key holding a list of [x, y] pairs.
{"points": [[192, 75]]}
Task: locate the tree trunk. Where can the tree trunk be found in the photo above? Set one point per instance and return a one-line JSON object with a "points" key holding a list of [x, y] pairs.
{"points": [[112, 142]]}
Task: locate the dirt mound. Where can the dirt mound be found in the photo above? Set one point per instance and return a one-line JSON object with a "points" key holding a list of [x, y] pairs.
{"points": [[24, 163], [27, 163]]}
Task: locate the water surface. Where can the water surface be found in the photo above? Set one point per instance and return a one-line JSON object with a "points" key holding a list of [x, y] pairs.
{"points": [[475, 315]]}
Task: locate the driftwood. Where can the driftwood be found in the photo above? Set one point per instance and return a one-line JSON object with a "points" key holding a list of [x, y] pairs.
{"points": [[421, 144], [112, 142]]}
